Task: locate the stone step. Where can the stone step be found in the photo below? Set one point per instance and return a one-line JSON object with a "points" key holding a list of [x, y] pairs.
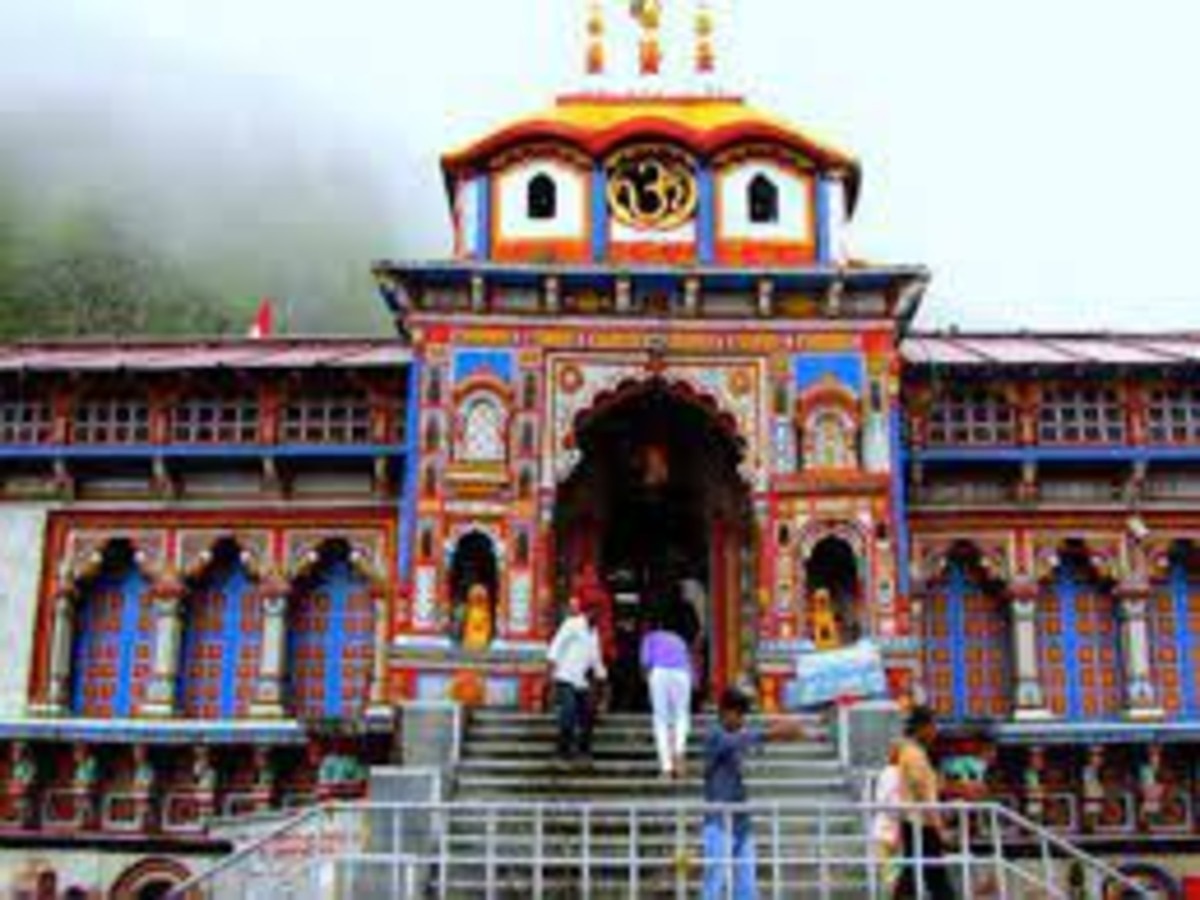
{"points": [[647, 767], [663, 884], [486, 714], [635, 735], [820, 752]]}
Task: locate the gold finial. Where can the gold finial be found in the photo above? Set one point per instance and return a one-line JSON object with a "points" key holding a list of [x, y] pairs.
{"points": [[706, 54], [648, 14], [595, 39]]}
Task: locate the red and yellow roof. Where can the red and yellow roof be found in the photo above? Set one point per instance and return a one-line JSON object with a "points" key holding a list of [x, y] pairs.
{"points": [[596, 124]]}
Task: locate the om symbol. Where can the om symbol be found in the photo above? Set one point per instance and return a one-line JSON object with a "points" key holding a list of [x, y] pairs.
{"points": [[651, 188]]}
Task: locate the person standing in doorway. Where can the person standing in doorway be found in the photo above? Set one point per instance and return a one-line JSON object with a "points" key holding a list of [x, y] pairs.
{"points": [[728, 835], [668, 669], [922, 832], [574, 659]]}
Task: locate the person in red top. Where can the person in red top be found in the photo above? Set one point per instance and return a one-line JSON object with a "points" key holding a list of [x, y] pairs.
{"points": [[595, 599]]}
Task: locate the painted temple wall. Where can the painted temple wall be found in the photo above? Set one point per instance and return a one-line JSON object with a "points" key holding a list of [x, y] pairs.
{"points": [[92, 870], [511, 192], [22, 536], [795, 205]]}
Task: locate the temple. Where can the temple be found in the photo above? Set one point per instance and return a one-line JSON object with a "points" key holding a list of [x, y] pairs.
{"points": [[651, 371]]}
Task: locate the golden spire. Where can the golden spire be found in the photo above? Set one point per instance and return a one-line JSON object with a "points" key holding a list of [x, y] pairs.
{"points": [[595, 39], [648, 14], [706, 54]]}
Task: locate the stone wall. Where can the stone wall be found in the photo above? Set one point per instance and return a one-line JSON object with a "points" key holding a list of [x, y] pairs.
{"points": [[22, 542]]}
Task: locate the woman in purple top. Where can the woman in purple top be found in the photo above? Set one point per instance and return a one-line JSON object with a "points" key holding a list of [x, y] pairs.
{"points": [[668, 668]]}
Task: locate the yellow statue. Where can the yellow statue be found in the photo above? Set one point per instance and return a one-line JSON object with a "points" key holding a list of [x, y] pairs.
{"points": [[477, 628], [826, 633]]}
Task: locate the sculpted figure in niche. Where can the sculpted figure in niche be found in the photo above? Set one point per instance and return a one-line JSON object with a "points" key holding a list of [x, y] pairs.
{"points": [[826, 632], [477, 627]]}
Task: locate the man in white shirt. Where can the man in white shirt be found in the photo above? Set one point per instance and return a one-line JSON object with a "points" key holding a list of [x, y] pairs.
{"points": [[574, 656]]}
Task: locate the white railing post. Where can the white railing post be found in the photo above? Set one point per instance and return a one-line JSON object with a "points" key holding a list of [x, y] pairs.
{"points": [[634, 855], [586, 850], [776, 863], [539, 849], [490, 852]]}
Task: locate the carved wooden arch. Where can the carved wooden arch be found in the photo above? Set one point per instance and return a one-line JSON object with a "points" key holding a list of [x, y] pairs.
{"points": [[679, 389], [1163, 550], [307, 550], [990, 556], [489, 530], [828, 393], [728, 391], [849, 532], [986, 565], [86, 551], [196, 551], [1102, 555]]}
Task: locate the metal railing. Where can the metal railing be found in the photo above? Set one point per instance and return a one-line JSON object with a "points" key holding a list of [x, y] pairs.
{"points": [[671, 849]]}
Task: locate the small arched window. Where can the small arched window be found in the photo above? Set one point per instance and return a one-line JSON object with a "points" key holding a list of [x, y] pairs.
{"points": [[764, 200], [542, 197]]}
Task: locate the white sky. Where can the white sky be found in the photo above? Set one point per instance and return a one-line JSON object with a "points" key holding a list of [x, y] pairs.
{"points": [[1039, 155]]}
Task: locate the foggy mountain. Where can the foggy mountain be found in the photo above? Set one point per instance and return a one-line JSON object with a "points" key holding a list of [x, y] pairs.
{"points": [[146, 200]]}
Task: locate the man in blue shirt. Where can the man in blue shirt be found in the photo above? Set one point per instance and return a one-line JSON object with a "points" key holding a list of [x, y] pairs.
{"points": [[728, 836]]}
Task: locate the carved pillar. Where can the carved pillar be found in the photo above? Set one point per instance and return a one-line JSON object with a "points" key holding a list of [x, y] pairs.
{"points": [[272, 660], [144, 778], [1029, 700], [21, 789], [1093, 788], [62, 640], [1151, 789], [160, 699], [377, 702], [84, 778], [1034, 799], [204, 783], [1141, 700]]}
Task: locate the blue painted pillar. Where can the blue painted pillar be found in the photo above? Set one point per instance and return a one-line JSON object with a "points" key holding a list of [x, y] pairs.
{"points": [[706, 218], [824, 226], [599, 212], [1181, 590], [409, 478], [483, 222]]}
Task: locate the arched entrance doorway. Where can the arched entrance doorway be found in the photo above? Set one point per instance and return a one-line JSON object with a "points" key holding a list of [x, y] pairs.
{"points": [[655, 518]]}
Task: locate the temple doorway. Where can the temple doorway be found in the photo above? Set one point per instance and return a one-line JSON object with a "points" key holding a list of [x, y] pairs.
{"points": [[655, 521]]}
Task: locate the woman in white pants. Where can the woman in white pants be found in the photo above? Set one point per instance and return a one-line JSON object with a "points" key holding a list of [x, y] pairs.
{"points": [[666, 661]]}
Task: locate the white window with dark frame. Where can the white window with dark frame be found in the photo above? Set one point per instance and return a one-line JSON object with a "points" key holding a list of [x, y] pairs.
{"points": [[972, 416], [111, 420], [1173, 415], [335, 418], [1081, 415], [215, 420], [25, 420]]}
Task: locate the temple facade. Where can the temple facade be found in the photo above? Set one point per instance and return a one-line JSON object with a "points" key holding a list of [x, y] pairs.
{"points": [[651, 373]]}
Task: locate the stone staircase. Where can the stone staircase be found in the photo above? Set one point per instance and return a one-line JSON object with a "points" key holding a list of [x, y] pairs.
{"points": [[510, 756]]}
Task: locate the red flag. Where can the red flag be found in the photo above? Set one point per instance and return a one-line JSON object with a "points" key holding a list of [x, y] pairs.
{"points": [[264, 321]]}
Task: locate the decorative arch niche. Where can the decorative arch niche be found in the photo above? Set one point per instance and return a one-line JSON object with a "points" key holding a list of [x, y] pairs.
{"points": [[827, 428], [474, 589], [833, 582]]}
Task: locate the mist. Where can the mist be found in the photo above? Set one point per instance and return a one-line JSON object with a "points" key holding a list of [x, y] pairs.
{"points": [[180, 196]]}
